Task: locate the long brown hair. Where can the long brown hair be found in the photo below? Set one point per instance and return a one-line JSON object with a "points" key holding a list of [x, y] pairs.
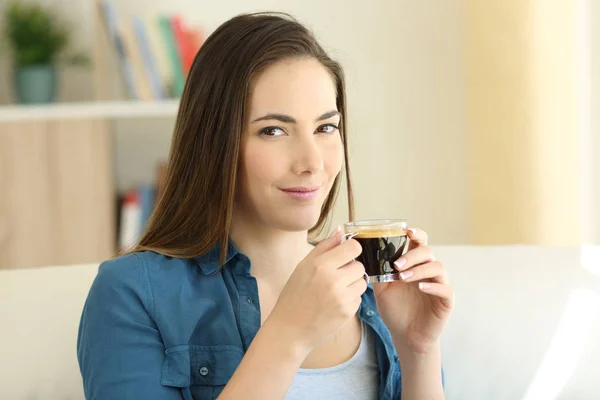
{"points": [[195, 210]]}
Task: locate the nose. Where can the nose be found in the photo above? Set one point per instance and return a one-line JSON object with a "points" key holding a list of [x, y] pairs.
{"points": [[308, 157]]}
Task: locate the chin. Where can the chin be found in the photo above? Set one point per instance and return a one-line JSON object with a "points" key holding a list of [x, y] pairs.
{"points": [[298, 221]]}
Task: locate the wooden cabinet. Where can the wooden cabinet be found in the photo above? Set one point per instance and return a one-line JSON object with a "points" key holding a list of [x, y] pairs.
{"points": [[57, 181], [57, 192]]}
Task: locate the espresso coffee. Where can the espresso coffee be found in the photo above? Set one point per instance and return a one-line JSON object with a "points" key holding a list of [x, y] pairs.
{"points": [[380, 248]]}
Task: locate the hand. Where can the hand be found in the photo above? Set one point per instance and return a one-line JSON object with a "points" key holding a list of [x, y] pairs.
{"points": [[322, 295], [416, 309]]}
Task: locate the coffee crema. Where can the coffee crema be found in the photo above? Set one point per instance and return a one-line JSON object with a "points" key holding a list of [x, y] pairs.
{"points": [[370, 232]]}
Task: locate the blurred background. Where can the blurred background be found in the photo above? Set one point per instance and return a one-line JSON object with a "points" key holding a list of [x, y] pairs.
{"points": [[482, 110]]}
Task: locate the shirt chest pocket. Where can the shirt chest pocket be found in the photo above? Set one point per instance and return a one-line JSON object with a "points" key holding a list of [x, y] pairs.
{"points": [[201, 372]]}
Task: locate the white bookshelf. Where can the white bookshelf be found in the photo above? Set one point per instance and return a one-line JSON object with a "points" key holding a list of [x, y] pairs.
{"points": [[99, 109]]}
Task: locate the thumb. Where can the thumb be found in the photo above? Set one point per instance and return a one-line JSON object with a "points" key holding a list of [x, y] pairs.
{"points": [[329, 243]]}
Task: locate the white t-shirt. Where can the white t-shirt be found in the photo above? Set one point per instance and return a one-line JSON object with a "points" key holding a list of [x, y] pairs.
{"points": [[355, 379]]}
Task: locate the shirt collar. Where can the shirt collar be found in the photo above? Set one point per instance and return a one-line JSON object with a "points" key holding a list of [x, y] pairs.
{"points": [[209, 261]]}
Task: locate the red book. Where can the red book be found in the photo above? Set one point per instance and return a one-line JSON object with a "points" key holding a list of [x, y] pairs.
{"points": [[197, 38], [130, 220], [184, 45]]}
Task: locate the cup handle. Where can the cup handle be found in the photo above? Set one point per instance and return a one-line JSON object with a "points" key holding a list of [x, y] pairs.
{"points": [[347, 236], [350, 235]]}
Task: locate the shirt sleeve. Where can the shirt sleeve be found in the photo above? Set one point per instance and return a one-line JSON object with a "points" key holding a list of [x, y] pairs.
{"points": [[119, 347]]}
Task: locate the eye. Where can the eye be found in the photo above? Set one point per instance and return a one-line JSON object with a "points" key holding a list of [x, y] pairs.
{"points": [[327, 128], [272, 131]]}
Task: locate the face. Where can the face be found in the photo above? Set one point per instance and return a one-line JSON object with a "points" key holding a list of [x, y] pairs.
{"points": [[291, 147]]}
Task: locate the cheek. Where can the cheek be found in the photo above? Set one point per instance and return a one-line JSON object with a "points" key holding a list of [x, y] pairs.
{"points": [[334, 158], [260, 165]]}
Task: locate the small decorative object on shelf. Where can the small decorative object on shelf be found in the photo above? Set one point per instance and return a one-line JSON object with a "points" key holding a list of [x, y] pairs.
{"points": [[38, 42]]}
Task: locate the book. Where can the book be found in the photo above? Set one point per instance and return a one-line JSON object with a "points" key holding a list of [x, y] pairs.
{"points": [[109, 15], [155, 52], [130, 221], [196, 37], [173, 53], [159, 51], [148, 59], [135, 207], [132, 49], [184, 45]]}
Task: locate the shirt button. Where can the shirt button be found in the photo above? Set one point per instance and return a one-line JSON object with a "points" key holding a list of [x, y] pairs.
{"points": [[203, 371], [249, 300], [370, 313]]}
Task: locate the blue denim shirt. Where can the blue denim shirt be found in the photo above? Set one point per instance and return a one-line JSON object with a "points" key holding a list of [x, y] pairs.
{"points": [[156, 327]]}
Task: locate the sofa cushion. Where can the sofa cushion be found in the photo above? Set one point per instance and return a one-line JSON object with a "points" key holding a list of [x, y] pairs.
{"points": [[39, 313], [526, 323]]}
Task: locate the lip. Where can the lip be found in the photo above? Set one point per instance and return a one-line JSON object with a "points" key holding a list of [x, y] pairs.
{"points": [[301, 189], [302, 192]]}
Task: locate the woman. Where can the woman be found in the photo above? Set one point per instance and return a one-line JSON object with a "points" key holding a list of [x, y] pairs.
{"points": [[224, 296]]}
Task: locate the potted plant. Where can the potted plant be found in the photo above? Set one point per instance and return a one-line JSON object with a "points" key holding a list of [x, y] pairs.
{"points": [[38, 42]]}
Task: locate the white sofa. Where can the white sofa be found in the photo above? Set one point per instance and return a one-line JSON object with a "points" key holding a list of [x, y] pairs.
{"points": [[526, 325]]}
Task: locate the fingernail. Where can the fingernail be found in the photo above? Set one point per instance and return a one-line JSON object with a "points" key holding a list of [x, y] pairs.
{"points": [[399, 263], [413, 231], [424, 286], [337, 230], [406, 274]]}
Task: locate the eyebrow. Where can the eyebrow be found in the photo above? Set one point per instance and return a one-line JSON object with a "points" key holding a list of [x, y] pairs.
{"points": [[292, 120]]}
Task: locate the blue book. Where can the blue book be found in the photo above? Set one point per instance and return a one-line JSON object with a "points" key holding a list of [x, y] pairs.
{"points": [[112, 24], [150, 65]]}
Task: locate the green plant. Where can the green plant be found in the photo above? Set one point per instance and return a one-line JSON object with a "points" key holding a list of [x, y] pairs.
{"points": [[36, 36]]}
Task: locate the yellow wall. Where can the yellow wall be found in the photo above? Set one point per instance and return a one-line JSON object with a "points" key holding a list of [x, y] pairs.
{"points": [[524, 101]]}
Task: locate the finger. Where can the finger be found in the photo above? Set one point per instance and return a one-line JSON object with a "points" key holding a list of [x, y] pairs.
{"points": [[443, 291], [357, 288], [418, 237], [414, 257], [341, 254], [329, 243], [351, 272], [354, 303], [434, 271]]}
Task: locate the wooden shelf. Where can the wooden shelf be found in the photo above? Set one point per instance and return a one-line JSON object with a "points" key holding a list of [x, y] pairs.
{"points": [[104, 109]]}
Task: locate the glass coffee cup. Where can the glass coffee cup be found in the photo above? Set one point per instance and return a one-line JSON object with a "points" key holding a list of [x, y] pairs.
{"points": [[383, 241]]}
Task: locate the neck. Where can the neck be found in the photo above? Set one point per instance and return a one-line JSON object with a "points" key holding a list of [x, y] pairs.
{"points": [[274, 253]]}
